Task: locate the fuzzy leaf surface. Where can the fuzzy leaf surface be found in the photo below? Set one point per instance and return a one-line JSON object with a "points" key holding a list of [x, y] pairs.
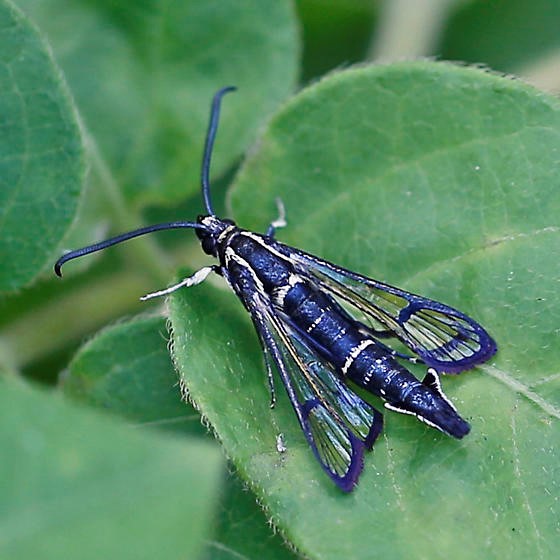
{"points": [[443, 180]]}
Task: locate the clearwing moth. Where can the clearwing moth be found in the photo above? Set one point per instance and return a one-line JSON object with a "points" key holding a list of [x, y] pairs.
{"points": [[321, 326]]}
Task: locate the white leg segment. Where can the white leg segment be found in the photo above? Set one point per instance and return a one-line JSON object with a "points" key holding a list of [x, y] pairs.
{"points": [[198, 277], [280, 222]]}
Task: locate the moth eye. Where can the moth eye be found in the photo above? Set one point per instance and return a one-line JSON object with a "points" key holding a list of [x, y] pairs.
{"points": [[209, 245]]}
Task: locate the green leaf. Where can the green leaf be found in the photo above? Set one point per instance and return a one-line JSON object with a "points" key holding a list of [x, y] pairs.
{"points": [[504, 34], [143, 75], [75, 484], [443, 180], [40, 153], [127, 370], [349, 22], [243, 530]]}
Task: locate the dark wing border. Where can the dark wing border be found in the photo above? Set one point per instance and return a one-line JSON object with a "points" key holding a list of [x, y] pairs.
{"points": [[443, 337], [337, 423]]}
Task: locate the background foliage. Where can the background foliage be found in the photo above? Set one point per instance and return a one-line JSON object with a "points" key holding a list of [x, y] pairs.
{"points": [[440, 178]]}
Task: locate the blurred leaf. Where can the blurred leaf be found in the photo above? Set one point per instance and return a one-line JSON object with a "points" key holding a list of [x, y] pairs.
{"points": [[74, 484], [335, 33], [441, 179], [243, 531], [40, 153], [503, 34], [143, 74], [127, 369]]}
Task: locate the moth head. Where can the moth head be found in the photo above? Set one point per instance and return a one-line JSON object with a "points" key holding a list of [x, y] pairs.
{"points": [[209, 235]]}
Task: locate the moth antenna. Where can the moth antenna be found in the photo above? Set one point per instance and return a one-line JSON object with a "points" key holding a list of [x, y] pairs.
{"points": [[119, 239], [209, 144]]}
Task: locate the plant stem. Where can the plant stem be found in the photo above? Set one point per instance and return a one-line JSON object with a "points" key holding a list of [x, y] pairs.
{"points": [[71, 317]]}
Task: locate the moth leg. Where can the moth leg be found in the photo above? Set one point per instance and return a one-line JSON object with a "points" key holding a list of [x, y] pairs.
{"points": [[382, 333], [280, 222], [198, 277], [270, 379], [389, 334], [411, 359], [401, 355], [264, 341]]}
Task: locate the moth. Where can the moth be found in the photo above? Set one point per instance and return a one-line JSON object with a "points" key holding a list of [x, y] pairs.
{"points": [[321, 327]]}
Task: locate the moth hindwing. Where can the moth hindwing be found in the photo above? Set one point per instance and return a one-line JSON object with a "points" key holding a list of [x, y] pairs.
{"points": [[322, 327]]}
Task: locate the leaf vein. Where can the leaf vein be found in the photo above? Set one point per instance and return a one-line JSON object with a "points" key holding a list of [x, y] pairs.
{"points": [[522, 389], [332, 204], [494, 242], [391, 469], [220, 546], [519, 476]]}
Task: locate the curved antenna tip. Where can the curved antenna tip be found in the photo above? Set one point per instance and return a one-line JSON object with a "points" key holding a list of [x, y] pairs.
{"points": [[226, 89], [58, 266]]}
